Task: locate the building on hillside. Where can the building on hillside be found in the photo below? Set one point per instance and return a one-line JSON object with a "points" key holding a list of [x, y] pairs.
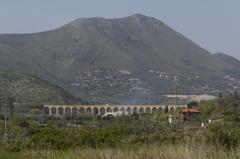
{"points": [[187, 113]]}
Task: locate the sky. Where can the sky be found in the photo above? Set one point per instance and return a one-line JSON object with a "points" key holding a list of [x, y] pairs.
{"points": [[213, 24]]}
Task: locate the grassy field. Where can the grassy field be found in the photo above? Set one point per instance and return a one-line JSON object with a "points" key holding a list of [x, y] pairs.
{"points": [[144, 152]]}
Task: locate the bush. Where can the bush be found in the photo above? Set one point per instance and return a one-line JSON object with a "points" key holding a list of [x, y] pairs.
{"points": [[231, 118], [54, 139], [223, 134], [111, 136]]}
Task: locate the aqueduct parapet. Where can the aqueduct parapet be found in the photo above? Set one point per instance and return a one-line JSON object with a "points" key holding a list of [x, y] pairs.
{"points": [[68, 110]]}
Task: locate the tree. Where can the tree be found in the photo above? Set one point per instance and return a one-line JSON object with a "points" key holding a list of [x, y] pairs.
{"points": [[208, 107], [11, 105], [220, 95], [1, 105], [192, 104], [166, 110], [151, 125]]}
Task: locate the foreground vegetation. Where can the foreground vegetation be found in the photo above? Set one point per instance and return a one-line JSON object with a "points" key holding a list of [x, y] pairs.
{"points": [[192, 151], [136, 136], [151, 136]]}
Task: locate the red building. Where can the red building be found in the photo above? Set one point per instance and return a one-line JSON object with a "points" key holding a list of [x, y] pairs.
{"points": [[188, 113]]}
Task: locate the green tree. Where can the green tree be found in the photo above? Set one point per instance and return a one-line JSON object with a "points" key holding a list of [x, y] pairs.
{"points": [[208, 107], [150, 125], [192, 104], [166, 109]]}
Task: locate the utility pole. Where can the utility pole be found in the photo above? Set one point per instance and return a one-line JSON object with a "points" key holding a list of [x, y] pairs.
{"points": [[4, 106], [202, 125], [94, 120], [94, 116], [5, 125], [176, 95]]}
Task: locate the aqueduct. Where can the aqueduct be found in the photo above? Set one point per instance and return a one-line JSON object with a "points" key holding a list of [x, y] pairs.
{"points": [[71, 110]]}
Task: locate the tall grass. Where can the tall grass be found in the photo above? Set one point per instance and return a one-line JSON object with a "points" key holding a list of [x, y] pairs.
{"points": [[183, 151]]}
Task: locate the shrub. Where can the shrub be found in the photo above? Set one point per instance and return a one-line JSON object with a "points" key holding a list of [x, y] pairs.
{"points": [[54, 139], [229, 118], [224, 134]]}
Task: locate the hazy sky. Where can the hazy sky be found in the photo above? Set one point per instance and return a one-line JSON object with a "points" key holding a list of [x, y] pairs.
{"points": [[213, 24]]}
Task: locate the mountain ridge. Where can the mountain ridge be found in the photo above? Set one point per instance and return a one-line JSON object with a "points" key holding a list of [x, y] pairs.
{"points": [[135, 57]]}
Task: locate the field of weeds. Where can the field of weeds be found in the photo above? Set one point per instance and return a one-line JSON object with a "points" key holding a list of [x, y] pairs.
{"points": [[192, 151]]}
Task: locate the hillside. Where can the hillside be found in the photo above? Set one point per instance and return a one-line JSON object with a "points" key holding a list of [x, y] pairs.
{"points": [[30, 91], [235, 63], [123, 60]]}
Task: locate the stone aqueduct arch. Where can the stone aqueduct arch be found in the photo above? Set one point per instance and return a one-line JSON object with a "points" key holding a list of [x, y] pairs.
{"points": [[74, 110]]}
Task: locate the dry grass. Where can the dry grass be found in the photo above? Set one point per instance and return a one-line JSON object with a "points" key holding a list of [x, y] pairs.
{"points": [[145, 152]]}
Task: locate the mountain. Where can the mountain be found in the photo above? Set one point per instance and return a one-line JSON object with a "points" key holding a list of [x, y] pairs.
{"points": [[29, 91], [228, 59], [233, 62], [134, 59]]}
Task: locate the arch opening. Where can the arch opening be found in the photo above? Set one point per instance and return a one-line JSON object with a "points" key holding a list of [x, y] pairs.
{"points": [[46, 111], [141, 110], [53, 111], [116, 109], [81, 110], [129, 110], [122, 109], [160, 110], [172, 111], [60, 111], [95, 111], [148, 110], [109, 110], [89, 110], [74, 111], [135, 110], [154, 110], [68, 111], [102, 111]]}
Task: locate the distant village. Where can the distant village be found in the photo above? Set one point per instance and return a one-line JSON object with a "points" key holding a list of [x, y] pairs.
{"points": [[96, 82]]}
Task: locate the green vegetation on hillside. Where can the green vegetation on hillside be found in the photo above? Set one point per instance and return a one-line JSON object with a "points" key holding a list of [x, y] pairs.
{"points": [[28, 91]]}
